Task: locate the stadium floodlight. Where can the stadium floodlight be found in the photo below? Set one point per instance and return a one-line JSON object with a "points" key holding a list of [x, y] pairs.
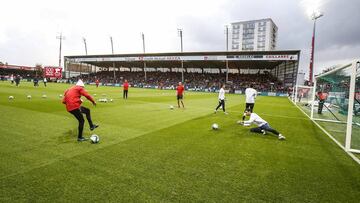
{"points": [[112, 51], [315, 15], [180, 32], [60, 38], [143, 41], [227, 49], [336, 105], [85, 46]]}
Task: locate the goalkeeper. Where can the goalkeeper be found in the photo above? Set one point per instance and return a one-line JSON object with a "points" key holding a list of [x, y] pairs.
{"points": [[263, 126]]}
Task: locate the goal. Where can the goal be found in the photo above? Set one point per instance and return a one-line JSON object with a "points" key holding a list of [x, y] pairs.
{"points": [[336, 105]]}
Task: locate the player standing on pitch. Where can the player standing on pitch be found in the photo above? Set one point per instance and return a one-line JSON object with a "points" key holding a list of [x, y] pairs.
{"points": [[97, 83], [250, 94], [180, 94], [221, 99], [126, 89], [263, 126], [73, 105]]}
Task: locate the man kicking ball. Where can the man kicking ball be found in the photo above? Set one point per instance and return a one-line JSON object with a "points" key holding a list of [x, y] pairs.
{"points": [[73, 105], [263, 126]]}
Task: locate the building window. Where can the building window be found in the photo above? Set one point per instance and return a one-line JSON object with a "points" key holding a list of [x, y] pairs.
{"points": [[236, 36], [262, 23], [249, 25]]}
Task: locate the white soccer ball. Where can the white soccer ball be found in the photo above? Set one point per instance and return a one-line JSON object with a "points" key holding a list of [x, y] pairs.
{"points": [[215, 126], [94, 139], [44, 96], [171, 107], [94, 95], [29, 96], [11, 97], [60, 95], [111, 100]]}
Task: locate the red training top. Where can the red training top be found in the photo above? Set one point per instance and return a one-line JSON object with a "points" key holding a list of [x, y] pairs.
{"points": [[126, 86], [322, 96], [72, 97], [180, 90], [97, 81]]}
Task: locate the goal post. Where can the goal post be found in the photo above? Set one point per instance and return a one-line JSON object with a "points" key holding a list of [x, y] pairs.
{"points": [[335, 104]]}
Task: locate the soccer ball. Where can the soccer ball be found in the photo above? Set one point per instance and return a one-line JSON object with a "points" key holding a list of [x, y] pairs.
{"points": [[94, 95], [60, 95], [11, 97], [111, 100], [94, 139], [215, 126], [29, 96], [44, 96], [171, 107]]}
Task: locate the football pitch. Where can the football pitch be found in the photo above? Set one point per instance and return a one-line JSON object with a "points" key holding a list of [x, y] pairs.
{"points": [[148, 152]]}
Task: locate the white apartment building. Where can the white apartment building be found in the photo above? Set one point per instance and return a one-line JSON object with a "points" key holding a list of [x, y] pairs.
{"points": [[254, 35]]}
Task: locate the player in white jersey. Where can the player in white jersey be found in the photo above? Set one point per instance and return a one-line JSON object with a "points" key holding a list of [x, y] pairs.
{"points": [[221, 99], [263, 126], [250, 94]]}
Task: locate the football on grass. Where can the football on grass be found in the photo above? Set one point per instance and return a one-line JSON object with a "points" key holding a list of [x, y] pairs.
{"points": [[215, 126], [94, 139]]}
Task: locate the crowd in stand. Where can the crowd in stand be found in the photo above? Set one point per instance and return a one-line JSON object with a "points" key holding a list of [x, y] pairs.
{"points": [[198, 81]]}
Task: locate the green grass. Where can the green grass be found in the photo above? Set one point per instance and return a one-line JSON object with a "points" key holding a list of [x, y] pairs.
{"points": [[148, 152]]}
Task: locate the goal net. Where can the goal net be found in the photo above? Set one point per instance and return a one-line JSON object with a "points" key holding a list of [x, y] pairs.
{"points": [[336, 104], [303, 97]]}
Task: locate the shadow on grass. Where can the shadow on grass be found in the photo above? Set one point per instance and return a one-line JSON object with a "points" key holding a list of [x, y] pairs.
{"points": [[68, 136]]}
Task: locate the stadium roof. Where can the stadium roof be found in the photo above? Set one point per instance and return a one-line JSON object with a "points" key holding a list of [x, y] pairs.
{"points": [[236, 59]]}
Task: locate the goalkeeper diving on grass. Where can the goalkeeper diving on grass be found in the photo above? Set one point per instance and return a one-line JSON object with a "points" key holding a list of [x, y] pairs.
{"points": [[263, 126]]}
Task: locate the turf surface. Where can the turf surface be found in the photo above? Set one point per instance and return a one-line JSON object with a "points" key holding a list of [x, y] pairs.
{"points": [[148, 152]]}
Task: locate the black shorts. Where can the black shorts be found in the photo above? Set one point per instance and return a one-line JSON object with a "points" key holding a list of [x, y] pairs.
{"points": [[179, 97], [250, 106]]}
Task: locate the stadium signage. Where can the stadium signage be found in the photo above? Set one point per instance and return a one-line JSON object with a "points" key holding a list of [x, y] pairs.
{"points": [[52, 72], [284, 57]]}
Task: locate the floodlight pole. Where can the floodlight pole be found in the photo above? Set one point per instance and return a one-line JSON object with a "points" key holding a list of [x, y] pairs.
{"points": [[112, 50], [182, 62], [143, 41], [61, 38], [311, 67], [85, 46], [227, 49]]}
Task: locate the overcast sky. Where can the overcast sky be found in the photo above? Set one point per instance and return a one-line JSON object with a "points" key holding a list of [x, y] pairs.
{"points": [[28, 29]]}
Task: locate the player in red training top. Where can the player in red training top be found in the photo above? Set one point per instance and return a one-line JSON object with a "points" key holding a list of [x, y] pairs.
{"points": [[126, 89], [97, 83], [73, 105], [180, 94]]}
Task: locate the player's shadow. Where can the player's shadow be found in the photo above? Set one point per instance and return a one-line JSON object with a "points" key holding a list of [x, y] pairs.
{"points": [[68, 136]]}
